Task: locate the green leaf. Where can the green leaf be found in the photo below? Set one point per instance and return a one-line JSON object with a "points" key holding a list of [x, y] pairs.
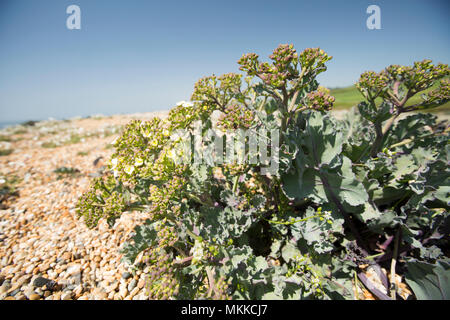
{"points": [[429, 281], [376, 114], [145, 236], [289, 252], [223, 224], [315, 231], [370, 212], [321, 173]]}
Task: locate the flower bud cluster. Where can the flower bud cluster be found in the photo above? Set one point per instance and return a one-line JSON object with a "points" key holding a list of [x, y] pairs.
{"points": [[371, 84], [320, 99], [222, 289], [314, 59], [220, 292], [277, 74], [324, 215], [100, 201], [396, 83], [167, 235], [249, 63], [418, 77], [137, 148], [215, 91], [235, 117], [285, 66], [90, 208], [303, 266], [440, 94], [283, 56], [198, 252], [162, 283], [167, 198]]}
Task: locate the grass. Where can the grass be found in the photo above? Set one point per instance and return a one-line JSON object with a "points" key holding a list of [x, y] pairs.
{"points": [[20, 131], [66, 172], [49, 145], [350, 96], [5, 138], [8, 190], [6, 152]]}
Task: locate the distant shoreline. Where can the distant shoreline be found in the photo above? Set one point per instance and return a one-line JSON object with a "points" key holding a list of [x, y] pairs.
{"points": [[5, 124], [9, 124]]}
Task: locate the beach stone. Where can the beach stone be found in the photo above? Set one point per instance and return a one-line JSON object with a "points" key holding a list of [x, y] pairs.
{"points": [[66, 296], [134, 292], [132, 285], [41, 281], [14, 292], [123, 291], [141, 283], [77, 291], [73, 269], [28, 292], [57, 295], [5, 287], [34, 296]]}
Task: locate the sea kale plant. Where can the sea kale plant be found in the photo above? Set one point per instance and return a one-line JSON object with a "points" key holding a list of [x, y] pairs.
{"points": [[300, 202]]}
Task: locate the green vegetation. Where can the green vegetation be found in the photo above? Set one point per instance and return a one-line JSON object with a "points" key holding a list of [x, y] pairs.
{"points": [[5, 138], [334, 197], [20, 131], [348, 97], [6, 152], [63, 172], [8, 189], [49, 145]]}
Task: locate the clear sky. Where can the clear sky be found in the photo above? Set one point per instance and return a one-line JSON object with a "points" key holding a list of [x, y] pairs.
{"points": [[137, 56]]}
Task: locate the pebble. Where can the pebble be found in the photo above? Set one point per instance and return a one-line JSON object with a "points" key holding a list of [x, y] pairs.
{"points": [[123, 291], [132, 285], [14, 292], [41, 281], [66, 296], [5, 287], [34, 296]]}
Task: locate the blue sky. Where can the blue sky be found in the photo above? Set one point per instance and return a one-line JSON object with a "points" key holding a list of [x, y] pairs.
{"points": [[137, 56]]}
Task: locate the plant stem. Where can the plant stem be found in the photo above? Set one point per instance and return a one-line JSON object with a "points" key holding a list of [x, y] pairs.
{"points": [[381, 132], [389, 123], [374, 256], [378, 140], [235, 184], [212, 286], [394, 262]]}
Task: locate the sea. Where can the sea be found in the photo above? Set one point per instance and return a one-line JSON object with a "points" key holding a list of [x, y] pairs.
{"points": [[9, 123]]}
